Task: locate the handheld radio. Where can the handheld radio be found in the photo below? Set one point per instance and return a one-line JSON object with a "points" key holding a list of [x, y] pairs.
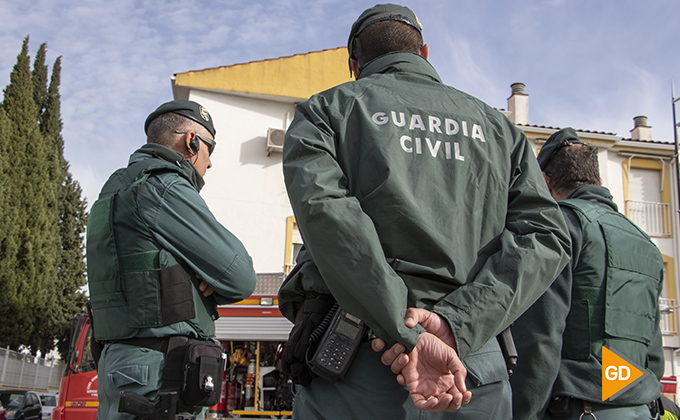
{"points": [[338, 346]]}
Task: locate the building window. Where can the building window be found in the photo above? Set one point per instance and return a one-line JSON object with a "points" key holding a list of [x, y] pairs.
{"points": [[293, 244], [647, 196], [668, 300]]}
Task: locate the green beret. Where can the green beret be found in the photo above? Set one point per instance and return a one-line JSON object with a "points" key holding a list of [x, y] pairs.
{"points": [[379, 13], [555, 142], [189, 109]]}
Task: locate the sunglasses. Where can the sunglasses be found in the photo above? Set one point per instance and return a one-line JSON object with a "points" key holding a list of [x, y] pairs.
{"points": [[210, 142]]}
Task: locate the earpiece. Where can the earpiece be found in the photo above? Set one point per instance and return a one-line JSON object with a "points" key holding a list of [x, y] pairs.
{"points": [[194, 144]]}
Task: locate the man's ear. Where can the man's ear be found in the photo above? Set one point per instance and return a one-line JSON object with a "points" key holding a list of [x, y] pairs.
{"points": [[425, 51], [184, 146], [355, 67], [547, 181]]}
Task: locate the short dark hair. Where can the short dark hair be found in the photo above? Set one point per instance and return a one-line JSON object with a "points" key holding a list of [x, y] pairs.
{"points": [[572, 166], [162, 129], [384, 37]]}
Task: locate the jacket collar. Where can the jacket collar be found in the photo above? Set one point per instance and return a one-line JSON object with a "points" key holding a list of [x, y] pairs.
{"points": [[152, 150], [594, 193], [400, 62]]}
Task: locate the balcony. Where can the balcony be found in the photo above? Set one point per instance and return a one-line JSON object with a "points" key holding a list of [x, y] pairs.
{"points": [[653, 218], [668, 322]]}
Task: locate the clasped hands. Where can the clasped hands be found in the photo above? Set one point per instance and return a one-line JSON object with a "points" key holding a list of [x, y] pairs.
{"points": [[432, 372]]}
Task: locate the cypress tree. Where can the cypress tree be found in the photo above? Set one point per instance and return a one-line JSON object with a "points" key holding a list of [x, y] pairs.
{"points": [[72, 215], [18, 104], [45, 182], [42, 215], [49, 317], [39, 79], [9, 302], [34, 197]]}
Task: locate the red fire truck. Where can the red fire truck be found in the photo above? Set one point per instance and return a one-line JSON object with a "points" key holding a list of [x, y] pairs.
{"points": [[78, 387]]}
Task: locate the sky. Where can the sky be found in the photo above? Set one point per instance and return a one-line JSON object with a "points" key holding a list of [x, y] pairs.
{"points": [[591, 65]]}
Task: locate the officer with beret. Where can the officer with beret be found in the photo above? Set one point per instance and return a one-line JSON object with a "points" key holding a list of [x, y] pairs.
{"points": [[159, 262], [410, 194], [608, 296]]}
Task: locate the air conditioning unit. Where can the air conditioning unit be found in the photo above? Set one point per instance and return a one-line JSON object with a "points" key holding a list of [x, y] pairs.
{"points": [[275, 140]]}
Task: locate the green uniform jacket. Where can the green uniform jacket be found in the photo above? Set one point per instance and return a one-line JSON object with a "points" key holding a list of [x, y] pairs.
{"points": [[408, 192], [608, 296], [168, 220]]}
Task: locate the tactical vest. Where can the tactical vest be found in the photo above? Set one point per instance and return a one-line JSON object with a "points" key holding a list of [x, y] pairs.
{"points": [[134, 283], [615, 289]]}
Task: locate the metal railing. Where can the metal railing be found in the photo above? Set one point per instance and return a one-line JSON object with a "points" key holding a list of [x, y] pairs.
{"points": [[653, 218], [668, 322]]}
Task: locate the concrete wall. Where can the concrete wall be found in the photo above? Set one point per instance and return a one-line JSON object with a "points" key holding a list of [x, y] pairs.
{"points": [[24, 371]]}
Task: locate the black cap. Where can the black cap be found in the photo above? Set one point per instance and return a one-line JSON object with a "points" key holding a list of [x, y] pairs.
{"points": [[379, 13], [189, 109], [555, 142]]}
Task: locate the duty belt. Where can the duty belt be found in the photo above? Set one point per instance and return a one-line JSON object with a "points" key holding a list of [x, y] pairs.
{"points": [[564, 407], [153, 343]]}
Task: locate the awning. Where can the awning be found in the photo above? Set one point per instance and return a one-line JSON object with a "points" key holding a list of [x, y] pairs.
{"points": [[252, 328]]}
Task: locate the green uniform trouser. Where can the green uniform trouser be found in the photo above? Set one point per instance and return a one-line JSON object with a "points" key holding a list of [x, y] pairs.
{"points": [[128, 368], [609, 412], [370, 391]]}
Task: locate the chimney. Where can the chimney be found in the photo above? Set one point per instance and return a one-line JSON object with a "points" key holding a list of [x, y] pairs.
{"points": [[641, 131], [518, 105]]}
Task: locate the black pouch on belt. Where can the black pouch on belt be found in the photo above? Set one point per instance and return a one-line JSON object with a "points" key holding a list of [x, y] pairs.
{"points": [[203, 369], [294, 360]]}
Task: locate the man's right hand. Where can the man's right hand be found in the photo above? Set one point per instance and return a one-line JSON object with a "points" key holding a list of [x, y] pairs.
{"points": [[435, 376], [433, 373]]}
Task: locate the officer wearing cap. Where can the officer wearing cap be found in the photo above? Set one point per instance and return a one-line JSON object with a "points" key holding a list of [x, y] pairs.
{"points": [[411, 194], [607, 296], [159, 262]]}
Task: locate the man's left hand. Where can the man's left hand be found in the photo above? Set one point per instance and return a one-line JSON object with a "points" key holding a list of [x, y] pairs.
{"points": [[205, 288]]}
